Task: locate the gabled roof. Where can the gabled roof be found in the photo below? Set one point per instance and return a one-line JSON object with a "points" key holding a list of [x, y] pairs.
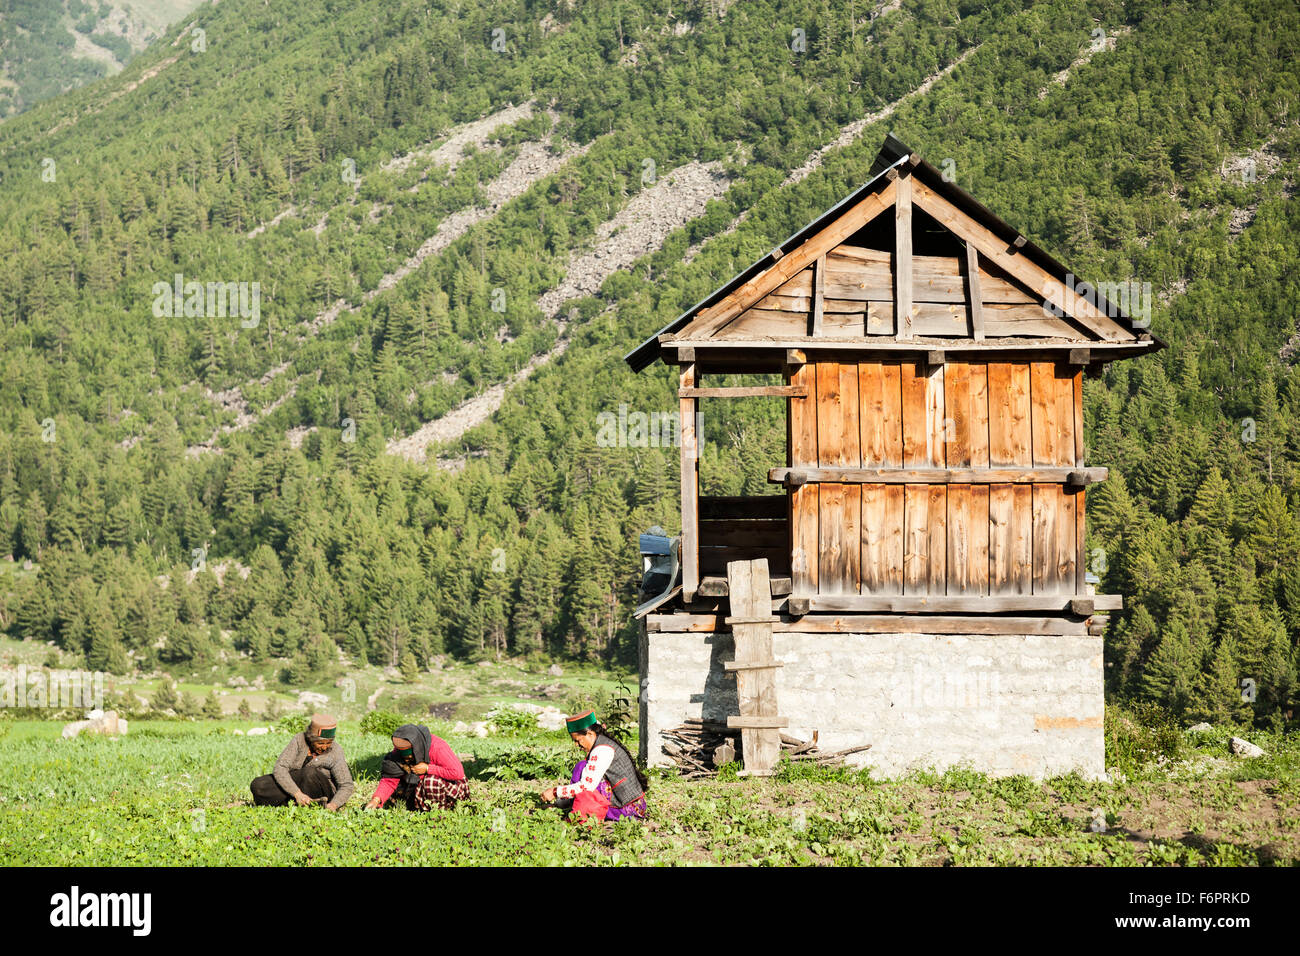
{"points": [[1115, 327]]}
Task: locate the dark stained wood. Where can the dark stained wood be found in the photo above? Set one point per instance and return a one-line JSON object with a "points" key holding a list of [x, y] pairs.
{"points": [[713, 507], [755, 532], [715, 558]]}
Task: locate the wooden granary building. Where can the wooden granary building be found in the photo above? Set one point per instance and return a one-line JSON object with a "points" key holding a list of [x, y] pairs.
{"points": [[925, 587]]}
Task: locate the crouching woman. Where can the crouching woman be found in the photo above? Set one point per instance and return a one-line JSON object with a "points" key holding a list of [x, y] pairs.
{"points": [[312, 769], [421, 771], [607, 785]]}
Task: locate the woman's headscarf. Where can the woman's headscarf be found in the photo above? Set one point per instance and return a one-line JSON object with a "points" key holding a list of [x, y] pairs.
{"points": [[421, 740]]}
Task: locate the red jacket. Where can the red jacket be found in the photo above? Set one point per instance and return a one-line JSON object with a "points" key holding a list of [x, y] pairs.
{"points": [[443, 763]]}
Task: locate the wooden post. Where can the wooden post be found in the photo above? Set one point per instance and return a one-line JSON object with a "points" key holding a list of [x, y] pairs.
{"points": [[690, 555], [973, 292], [819, 295], [755, 669], [903, 258]]}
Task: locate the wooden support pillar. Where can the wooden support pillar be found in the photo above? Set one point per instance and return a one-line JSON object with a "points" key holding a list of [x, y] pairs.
{"points": [[751, 623], [819, 295], [903, 258], [690, 555], [973, 293]]}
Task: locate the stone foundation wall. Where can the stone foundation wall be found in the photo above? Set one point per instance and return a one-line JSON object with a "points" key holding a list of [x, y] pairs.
{"points": [[1001, 704]]}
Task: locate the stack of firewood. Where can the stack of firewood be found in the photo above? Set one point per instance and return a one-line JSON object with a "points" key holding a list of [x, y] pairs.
{"points": [[700, 747]]}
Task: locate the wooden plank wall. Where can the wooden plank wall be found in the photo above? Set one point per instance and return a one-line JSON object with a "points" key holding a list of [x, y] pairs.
{"points": [[957, 539], [858, 299]]}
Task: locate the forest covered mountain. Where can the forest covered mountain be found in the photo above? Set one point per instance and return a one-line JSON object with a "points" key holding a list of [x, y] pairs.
{"points": [[48, 47], [407, 200]]}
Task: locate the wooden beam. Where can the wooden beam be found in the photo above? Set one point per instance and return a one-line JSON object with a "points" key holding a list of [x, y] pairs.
{"points": [[795, 358], [1075, 477], [1079, 357], [746, 391], [903, 258], [685, 355], [690, 489], [1102, 351], [717, 587], [719, 314], [737, 722], [878, 624], [934, 357], [1048, 287], [944, 604], [819, 296], [974, 295], [751, 665]]}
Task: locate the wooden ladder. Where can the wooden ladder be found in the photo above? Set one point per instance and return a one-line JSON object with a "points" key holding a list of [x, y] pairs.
{"points": [[751, 623]]}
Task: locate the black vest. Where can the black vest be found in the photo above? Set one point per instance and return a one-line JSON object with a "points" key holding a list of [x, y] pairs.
{"points": [[621, 776]]}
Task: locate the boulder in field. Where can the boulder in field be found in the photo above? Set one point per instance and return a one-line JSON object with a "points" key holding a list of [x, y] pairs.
{"points": [[258, 731], [96, 722], [550, 719], [1199, 728], [555, 670], [1244, 748], [71, 730]]}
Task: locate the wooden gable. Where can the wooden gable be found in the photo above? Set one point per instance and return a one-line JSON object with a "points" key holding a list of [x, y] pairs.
{"points": [[907, 263], [852, 281]]}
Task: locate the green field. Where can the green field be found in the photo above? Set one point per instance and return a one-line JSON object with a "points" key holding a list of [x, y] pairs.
{"points": [[176, 793]]}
